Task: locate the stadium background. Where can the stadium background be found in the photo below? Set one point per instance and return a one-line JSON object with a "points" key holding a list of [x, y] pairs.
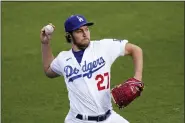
{"points": [[158, 27]]}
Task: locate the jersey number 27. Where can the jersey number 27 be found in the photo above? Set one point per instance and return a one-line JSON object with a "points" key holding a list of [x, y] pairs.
{"points": [[101, 78]]}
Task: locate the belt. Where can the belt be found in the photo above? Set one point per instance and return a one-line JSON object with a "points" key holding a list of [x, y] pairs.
{"points": [[95, 118]]}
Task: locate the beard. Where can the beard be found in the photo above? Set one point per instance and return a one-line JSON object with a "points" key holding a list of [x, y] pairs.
{"points": [[82, 46]]}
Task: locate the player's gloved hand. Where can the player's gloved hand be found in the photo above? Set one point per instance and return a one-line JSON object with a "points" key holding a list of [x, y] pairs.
{"points": [[45, 38], [126, 92]]}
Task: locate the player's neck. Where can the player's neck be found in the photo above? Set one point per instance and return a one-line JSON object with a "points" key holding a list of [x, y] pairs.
{"points": [[75, 48]]}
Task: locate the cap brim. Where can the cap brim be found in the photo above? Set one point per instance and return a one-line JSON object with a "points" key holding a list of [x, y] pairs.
{"points": [[89, 24]]}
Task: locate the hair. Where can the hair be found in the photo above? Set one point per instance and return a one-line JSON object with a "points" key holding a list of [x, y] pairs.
{"points": [[68, 37]]}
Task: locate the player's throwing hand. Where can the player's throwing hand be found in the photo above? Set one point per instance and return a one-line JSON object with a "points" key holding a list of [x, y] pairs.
{"points": [[44, 36]]}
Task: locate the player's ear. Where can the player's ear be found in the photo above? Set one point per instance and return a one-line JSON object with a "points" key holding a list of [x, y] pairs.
{"points": [[68, 37]]}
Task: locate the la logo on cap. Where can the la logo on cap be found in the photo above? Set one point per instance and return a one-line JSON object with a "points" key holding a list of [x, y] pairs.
{"points": [[80, 19]]}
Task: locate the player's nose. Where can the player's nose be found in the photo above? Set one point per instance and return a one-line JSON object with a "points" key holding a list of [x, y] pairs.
{"points": [[84, 34]]}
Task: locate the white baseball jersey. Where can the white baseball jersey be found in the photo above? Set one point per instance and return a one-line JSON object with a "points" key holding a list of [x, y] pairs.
{"points": [[88, 83]]}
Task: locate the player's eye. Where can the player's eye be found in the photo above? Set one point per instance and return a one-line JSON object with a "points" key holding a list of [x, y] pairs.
{"points": [[87, 29], [78, 31]]}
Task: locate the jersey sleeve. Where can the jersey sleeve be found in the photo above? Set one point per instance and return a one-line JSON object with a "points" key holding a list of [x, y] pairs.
{"points": [[115, 48], [55, 65]]}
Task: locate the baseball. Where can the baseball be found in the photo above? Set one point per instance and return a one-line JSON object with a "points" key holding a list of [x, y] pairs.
{"points": [[48, 29]]}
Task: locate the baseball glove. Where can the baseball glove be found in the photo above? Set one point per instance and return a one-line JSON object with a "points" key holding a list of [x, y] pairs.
{"points": [[126, 92]]}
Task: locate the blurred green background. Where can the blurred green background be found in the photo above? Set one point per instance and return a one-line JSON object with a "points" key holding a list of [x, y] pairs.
{"points": [[157, 27]]}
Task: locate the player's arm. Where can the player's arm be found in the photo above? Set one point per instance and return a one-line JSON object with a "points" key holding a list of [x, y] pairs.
{"points": [[47, 55], [137, 55]]}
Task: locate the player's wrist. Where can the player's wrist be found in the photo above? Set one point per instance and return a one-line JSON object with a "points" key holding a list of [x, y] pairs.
{"points": [[138, 75], [138, 78]]}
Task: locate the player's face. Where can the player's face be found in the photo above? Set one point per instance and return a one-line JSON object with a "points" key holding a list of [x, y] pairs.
{"points": [[81, 37]]}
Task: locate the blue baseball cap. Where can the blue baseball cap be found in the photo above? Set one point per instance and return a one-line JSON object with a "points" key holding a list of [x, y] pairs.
{"points": [[76, 21]]}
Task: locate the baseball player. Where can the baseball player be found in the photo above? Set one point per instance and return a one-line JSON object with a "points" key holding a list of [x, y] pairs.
{"points": [[86, 68]]}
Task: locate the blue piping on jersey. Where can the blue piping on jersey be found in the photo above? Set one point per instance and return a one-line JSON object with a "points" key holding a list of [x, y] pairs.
{"points": [[75, 77], [89, 74]]}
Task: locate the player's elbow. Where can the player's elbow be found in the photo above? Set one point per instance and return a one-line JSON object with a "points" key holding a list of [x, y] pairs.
{"points": [[46, 73], [49, 76], [50, 73], [132, 49], [137, 52]]}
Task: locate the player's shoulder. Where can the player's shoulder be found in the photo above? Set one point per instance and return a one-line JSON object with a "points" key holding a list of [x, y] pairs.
{"points": [[101, 41], [107, 41]]}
